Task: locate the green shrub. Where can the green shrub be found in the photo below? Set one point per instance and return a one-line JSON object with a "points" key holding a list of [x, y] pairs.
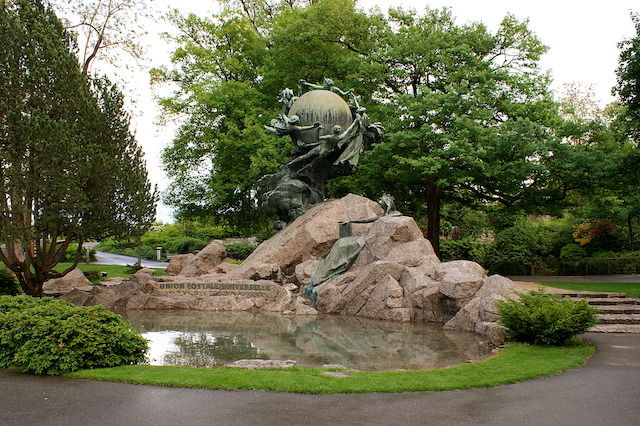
{"points": [[466, 248], [573, 251], [132, 269], [518, 248], [471, 222], [148, 253], [561, 234], [186, 245], [264, 232], [8, 284], [92, 275], [216, 232], [546, 319], [70, 254], [109, 245], [46, 336], [239, 251]]}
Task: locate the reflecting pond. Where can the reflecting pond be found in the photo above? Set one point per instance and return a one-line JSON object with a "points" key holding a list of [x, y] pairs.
{"points": [[212, 339]]}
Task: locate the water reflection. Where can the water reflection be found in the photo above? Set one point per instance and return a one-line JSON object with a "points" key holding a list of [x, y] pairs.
{"points": [[212, 339]]}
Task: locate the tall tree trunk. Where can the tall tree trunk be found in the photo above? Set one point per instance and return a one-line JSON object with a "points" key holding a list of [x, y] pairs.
{"points": [[34, 287], [632, 241], [32, 269], [434, 198]]}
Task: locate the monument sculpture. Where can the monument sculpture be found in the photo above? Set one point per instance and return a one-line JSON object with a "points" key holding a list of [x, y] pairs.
{"points": [[349, 256], [391, 273], [346, 249], [328, 135]]}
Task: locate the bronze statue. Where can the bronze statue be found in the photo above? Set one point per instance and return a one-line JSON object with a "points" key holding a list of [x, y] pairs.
{"points": [[328, 136], [327, 84]]}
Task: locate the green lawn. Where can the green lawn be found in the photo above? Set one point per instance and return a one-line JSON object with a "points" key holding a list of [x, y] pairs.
{"points": [[516, 363], [631, 289], [111, 270]]}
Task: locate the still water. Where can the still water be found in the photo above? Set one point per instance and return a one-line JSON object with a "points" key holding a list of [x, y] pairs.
{"points": [[212, 339]]}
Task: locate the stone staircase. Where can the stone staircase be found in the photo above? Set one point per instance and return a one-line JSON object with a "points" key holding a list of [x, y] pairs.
{"points": [[617, 313]]}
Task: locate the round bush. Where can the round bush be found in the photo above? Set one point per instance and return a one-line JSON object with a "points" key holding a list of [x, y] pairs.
{"points": [[8, 284], [573, 251], [516, 249], [546, 319], [46, 336]]}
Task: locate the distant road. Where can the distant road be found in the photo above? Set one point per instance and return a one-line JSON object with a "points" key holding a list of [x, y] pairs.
{"points": [[118, 259]]}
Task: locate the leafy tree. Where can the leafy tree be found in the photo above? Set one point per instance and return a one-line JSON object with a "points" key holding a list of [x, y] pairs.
{"points": [[628, 122], [628, 79], [475, 117], [578, 102], [261, 13], [330, 38], [105, 26], [221, 148], [70, 169], [229, 69], [469, 116], [607, 157]]}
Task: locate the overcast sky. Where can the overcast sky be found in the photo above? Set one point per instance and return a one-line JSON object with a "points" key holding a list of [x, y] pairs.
{"points": [[582, 36]]}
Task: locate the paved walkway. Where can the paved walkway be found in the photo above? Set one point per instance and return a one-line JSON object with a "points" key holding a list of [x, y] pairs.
{"points": [[579, 279], [104, 258], [605, 391]]}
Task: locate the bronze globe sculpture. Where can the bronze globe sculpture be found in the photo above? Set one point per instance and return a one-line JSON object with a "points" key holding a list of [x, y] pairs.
{"points": [[328, 136]]}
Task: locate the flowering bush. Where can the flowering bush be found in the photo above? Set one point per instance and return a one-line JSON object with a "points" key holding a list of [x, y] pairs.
{"points": [[582, 233], [599, 236]]}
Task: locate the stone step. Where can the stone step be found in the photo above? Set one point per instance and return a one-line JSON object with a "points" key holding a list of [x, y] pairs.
{"points": [[618, 319], [615, 328], [618, 309], [587, 294], [612, 301]]}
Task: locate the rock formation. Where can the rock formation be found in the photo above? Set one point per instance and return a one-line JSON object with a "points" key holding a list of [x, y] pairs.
{"points": [[204, 262], [73, 279], [396, 276]]}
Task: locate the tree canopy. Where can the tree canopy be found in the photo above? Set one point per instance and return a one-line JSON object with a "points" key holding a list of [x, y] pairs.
{"points": [[221, 149], [70, 169], [474, 116], [628, 79], [229, 69], [469, 114], [105, 29]]}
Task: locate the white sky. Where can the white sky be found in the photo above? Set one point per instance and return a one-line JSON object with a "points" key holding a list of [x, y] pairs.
{"points": [[582, 36]]}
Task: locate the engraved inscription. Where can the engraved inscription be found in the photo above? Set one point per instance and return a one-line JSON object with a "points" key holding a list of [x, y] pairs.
{"points": [[215, 287]]}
